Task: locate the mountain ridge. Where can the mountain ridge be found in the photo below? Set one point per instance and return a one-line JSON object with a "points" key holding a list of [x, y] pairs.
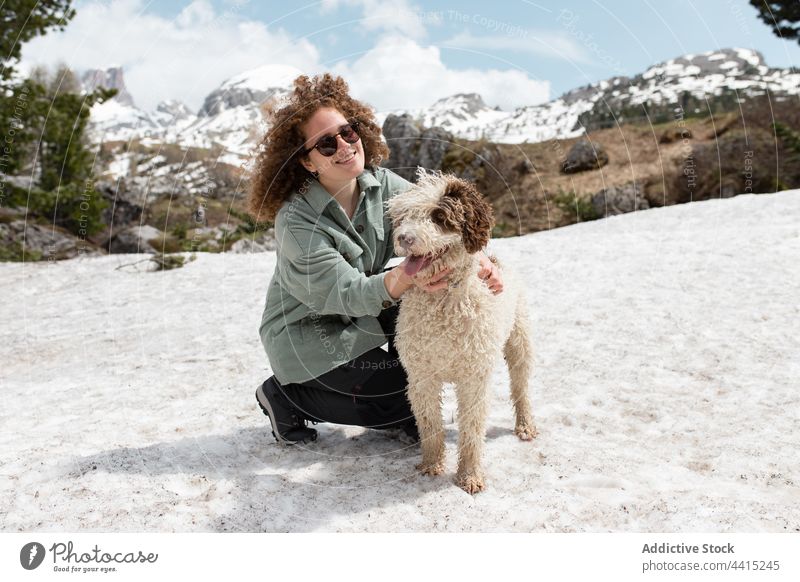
{"points": [[230, 116]]}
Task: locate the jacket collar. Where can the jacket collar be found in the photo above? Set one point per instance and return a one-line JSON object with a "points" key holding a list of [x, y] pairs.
{"points": [[319, 198], [370, 184]]}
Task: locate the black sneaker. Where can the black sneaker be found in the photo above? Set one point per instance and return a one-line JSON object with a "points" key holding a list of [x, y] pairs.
{"points": [[288, 427]]}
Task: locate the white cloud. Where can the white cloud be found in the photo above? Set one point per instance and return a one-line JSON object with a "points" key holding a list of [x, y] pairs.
{"points": [[399, 73], [185, 58], [382, 15], [544, 43], [189, 56]]}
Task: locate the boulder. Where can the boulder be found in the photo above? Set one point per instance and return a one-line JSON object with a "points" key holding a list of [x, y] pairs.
{"points": [[433, 144], [125, 206], [265, 241], [583, 156], [524, 166], [619, 200], [674, 134], [412, 146], [42, 242], [135, 239]]}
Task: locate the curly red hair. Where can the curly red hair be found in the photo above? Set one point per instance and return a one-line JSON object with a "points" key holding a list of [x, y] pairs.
{"points": [[278, 173]]}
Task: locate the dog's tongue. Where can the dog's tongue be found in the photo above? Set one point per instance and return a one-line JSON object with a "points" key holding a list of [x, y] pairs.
{"points": [[414, 264]]}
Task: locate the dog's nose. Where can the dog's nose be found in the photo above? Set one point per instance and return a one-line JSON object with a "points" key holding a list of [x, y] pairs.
{"points": [[405, 240]]}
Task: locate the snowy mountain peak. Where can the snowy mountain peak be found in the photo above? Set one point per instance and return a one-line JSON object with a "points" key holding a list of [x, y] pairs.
{"points": [[263, 78], [470, 103], [250, 88], [173, 107], [110, 78], [729, 62], [171, 111]]}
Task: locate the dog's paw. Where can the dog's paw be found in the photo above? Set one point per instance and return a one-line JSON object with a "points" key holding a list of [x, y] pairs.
{"points": [[526, 431], [431, 469], [471, 483]]}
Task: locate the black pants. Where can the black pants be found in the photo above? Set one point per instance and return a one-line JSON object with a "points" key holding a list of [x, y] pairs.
{"points": [[368, 391]]}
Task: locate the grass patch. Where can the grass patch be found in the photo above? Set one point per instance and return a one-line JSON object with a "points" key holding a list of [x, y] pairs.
{"points": [[579, 207]]}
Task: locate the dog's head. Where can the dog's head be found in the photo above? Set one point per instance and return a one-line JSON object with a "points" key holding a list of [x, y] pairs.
{"points": [[437, 214]]}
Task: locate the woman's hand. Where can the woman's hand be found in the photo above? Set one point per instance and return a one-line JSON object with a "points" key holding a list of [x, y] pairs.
{"points": [[435, 283], [397, 282], [491, 275]]}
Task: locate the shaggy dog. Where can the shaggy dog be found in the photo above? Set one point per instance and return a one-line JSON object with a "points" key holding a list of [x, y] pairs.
{"points": [[458, 334]]}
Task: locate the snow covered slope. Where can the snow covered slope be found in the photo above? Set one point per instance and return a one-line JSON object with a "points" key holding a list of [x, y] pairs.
{"points": [[664, 388]]}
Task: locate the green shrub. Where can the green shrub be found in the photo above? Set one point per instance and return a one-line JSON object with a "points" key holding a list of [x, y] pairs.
{"points": [[167, 262], [180, 230], [580, 207], [457, 159], [248, 226], [12, 252], [166, 244], [77, 209]]}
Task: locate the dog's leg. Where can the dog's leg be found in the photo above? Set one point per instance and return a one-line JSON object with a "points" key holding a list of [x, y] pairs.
{"points": [[425, 396], [519, 357], [472, 411]]}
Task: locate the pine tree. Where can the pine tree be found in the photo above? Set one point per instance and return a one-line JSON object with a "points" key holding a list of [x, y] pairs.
{"points": [[62, 162], [22, 20], [782, 16]]}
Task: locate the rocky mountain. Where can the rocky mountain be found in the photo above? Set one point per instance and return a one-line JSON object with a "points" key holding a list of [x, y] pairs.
{"points": [[463, 114], [172, 112], [111, 78], [714, 79], [688, 85], [230, 121]]}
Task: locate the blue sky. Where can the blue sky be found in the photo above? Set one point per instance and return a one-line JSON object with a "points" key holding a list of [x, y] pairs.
{"points": [[402, 53]]}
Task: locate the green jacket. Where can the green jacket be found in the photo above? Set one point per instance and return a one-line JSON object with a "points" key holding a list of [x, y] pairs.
{"points": [[328, 288]]}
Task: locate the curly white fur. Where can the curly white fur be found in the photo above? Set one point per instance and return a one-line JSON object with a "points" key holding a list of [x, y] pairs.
{"points": [[457, 335]]}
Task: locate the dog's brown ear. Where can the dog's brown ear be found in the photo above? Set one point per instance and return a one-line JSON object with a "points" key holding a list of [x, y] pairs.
{"points": [[476, 226], [448, 214]]}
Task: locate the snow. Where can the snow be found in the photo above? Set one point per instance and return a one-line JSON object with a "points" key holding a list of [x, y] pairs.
{"points": [[115, 121], [236, 129], [665, 390], [263, 78], [120, 166], [748, 55]]}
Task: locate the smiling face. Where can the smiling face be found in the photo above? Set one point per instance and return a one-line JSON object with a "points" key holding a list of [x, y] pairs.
{"points": [[348, 161]]}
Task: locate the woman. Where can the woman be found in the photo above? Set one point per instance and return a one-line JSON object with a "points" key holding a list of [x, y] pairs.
{"points": [[330, 305]]}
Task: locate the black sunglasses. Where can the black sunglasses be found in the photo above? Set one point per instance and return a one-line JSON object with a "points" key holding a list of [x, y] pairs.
{"points": [[328, 145]]}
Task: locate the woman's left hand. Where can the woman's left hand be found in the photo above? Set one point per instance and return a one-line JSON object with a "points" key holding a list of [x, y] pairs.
{"points": [[490, 275]]}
